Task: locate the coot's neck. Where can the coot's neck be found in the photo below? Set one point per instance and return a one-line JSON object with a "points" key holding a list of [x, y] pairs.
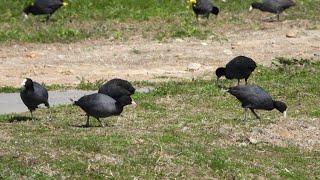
{"points": [[119, 108]]}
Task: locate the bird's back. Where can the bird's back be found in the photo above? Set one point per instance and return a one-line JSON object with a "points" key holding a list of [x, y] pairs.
{"points": [[47, 3], [252, 96], [240, 67], [278, 5], [116, 88], [48, 6], [98, 105], [203, 7]]}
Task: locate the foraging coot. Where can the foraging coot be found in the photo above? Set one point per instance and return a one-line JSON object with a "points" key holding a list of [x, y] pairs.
{"points": [[204, 8], [44, 7], [273, 6], [100, 106], [254, 97], [239, 67]]}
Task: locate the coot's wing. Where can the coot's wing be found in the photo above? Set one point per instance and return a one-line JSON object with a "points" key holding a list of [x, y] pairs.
{"points": [[284, 4], [48, 6], [240, 67], [204, 5], [252, 96], [97, 105]]}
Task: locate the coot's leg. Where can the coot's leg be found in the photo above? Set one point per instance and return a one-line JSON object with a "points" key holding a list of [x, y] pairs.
{"points": [[31, 114], [100, 122], [252, 110], [87, 125], [245, 114], [50, 114]]}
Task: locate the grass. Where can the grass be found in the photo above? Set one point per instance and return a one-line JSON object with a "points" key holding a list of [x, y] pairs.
{"points": [[176, 131], [153, 19]]}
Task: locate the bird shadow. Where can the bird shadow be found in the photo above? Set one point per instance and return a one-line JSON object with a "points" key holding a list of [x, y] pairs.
{"points": [[19, 118], [85, 126]]}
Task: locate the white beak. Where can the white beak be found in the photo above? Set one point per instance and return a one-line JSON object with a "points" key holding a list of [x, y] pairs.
{"points": [[250, 9], [133, 103], [23, 83], [25, 15], [285, 114]]}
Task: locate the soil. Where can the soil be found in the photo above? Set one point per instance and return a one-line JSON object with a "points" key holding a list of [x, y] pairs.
{"points": [[284, 132], [138, 58]]}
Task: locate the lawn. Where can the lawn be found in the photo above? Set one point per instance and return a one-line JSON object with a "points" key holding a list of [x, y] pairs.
{"points": [[182, 129]]}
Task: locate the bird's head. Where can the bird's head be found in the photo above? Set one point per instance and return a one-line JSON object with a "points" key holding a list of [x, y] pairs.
{"points": [[126, 85], [281, 106], [215, 11], [221, 71], [254, 5], [27, 83], [125, 100], [27, 10]]}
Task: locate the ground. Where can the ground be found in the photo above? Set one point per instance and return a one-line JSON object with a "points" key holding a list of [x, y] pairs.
{"points": [[138, 58]]}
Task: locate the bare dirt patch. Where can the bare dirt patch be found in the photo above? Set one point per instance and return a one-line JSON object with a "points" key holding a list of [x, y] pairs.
{"points": [[141, 59], [302, 133]]}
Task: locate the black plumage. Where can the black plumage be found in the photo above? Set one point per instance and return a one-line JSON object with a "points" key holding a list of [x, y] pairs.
{"points": [[100, 105], [204, 8], [273, 6], [117, 88], [44, 7], [33, 94], [254, 97], [239, 67]]}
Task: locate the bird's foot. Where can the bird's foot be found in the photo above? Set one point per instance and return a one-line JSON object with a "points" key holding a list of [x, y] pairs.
{"points": [[268, 19], [86, 125]]}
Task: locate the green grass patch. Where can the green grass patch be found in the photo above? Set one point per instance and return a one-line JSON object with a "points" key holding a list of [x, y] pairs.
{"points": [[163, 19], [182, 129]]}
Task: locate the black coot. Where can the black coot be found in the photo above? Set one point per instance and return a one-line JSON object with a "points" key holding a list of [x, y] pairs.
{"points": [[33, 94], [117, 88], [100, 105], [254, 97], [272, 6], [44, 7], [204, 8], [239, 67]]}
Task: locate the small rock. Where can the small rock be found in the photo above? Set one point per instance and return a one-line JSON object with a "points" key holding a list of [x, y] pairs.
{"points": [[204, 44], [257, 130], [184, 129], [243, 144], [223, 131], [235, 45], [194, 66], [253, 140], [145, 90], [179, 40], [227, 51], [292, 34], [30, 55], [60, 56]]}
